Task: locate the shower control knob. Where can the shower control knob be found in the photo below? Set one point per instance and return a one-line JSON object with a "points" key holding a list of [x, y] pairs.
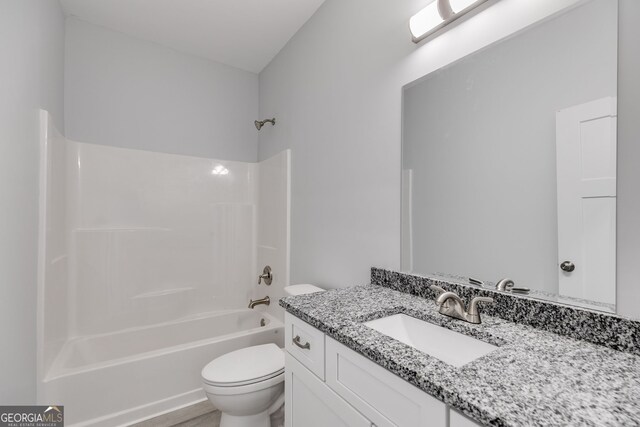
{"points": [[266, 276], [567, 266]]}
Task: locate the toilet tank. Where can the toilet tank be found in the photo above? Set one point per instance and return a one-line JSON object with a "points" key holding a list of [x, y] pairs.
{"points": [[302, 289]]}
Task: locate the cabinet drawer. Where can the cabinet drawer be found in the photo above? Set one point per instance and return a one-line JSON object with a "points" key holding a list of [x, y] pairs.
{"points": [[382, 397], [305, 343]]}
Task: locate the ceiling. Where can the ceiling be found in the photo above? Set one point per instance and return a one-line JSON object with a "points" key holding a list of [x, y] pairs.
{"points": [[245, 34]]}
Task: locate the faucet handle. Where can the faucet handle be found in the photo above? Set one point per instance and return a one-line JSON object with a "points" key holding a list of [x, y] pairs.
{"points": [[437, 289], [505, 284], [266, 275], [473, 306]]}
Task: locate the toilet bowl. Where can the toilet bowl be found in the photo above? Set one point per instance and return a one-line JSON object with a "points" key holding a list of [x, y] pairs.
{"points": [[247, 385]]}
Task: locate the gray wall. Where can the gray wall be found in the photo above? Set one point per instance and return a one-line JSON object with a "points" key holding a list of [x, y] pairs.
{"points": [[479, 136], [131, 93], [629, 160], [336, 92], [335, 89], [31, 76]]}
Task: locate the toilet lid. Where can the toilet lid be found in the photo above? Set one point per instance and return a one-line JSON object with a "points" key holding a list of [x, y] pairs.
{"points": [[302, 289], [245, 366]]}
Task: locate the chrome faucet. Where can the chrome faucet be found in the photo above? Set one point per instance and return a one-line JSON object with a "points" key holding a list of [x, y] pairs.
{"points": [[452, 305], [266, 301]]}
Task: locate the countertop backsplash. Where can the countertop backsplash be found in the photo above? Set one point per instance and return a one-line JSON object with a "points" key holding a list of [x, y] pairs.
{"points": [[600, 328]]}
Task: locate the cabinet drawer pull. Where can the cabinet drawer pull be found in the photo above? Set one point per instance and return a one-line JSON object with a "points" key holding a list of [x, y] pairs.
{"points": [[305, 346]]}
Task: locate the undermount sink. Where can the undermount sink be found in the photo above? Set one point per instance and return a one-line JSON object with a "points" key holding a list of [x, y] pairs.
{"points": [[451, 347]]}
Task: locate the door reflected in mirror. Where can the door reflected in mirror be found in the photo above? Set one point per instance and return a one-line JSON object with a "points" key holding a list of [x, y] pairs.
{"points": [[509, 162]]}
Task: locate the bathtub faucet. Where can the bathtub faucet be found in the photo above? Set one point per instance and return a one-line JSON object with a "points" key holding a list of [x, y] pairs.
{"points": [[265, 301]]}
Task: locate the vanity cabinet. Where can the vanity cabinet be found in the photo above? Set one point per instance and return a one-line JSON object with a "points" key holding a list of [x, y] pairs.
{"points": [[305, 343], [310, 403], [381, 396], [456, 419], [328, 384]]}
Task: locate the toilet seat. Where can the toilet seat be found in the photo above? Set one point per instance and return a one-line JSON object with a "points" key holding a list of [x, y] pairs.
{"points": [[242, 383], [228, 390], [247, 366]]}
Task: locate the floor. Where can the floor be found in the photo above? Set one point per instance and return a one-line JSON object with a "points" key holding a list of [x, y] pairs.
{"points": [[199, 415], [212, 419]]}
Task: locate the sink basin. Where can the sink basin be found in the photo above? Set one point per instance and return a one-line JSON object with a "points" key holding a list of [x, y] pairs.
{"points": [[451, 347]]}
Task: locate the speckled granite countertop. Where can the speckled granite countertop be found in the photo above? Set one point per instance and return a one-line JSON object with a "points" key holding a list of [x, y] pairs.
{"points": [[534, 378]]}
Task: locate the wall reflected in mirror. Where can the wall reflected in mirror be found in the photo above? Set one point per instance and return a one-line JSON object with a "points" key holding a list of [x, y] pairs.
{"points": [[509, 162]]}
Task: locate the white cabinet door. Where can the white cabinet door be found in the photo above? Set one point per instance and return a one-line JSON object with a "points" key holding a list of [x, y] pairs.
{"points": [[386, 399], [586, 174], [456, 419], [310, 403]]}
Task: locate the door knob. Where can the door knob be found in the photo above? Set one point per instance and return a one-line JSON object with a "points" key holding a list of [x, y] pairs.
{"points": [[567, 266]]}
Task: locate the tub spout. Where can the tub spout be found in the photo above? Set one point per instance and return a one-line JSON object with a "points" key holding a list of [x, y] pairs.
{"points": [[265, 301]]}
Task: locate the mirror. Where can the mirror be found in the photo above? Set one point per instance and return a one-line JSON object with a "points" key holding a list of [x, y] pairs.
{"points": [[509, 162]]}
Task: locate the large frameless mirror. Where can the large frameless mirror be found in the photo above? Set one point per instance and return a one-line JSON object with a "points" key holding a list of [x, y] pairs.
{"points": [[509, 162]]}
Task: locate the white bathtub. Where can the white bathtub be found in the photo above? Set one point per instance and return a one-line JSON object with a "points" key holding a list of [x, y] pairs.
{"points": [[119, 378]]}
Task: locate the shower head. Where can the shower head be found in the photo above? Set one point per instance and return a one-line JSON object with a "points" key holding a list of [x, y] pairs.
{"points": [[260, 123]]}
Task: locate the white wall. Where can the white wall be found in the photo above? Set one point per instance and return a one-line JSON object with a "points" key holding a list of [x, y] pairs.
{"points": [[131, 93], [31, 76], [336, 92], [480, 139]]}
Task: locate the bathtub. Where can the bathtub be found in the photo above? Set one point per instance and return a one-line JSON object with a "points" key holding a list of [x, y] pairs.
{"points": [[123, 377]]}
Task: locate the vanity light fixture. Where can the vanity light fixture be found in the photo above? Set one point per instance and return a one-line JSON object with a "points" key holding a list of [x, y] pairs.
{"points": [[437, 15]]}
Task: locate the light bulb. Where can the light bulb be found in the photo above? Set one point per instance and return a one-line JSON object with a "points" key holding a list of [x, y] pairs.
{"points": [[459, 5], [425, 20]]}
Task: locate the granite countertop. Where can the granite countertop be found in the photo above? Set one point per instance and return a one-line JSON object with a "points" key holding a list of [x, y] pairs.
{"points": [[534, 377]]}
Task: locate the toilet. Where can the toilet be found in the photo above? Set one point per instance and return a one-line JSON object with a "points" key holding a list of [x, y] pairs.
{"points": [[247, 385]]}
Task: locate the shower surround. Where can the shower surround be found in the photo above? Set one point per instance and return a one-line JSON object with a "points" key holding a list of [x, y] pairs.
{"points": [[147, 263]]}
